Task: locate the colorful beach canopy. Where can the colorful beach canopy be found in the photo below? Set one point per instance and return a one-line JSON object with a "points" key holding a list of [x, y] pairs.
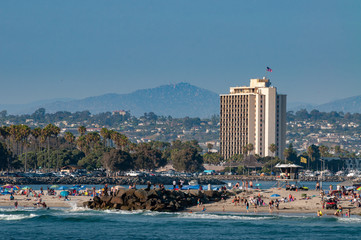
{"points": [[64, 193], [275, 195], [358, 189], [54, 186]]}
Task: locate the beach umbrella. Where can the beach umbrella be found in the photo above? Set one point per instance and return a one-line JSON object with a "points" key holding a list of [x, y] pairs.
{"points": [[16, 187], [63, 188], [358, 189], [64, 193], [275, 195], [8, 186], [25, 188], [54, 186]]}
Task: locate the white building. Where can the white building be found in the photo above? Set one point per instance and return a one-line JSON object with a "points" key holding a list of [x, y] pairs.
{"points": [[253, 115]]}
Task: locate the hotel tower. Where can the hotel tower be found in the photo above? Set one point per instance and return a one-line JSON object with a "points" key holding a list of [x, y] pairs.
{"points": [[253, 115]]}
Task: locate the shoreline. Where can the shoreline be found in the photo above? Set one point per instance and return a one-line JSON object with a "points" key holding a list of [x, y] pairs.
{"points": [[299, 205]]}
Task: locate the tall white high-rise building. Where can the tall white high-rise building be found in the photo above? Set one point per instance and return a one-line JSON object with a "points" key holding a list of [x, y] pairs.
{"points": [[253, 115]]}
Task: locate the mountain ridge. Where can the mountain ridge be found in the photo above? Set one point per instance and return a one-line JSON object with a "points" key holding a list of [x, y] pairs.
{"points": [[177, 100]]}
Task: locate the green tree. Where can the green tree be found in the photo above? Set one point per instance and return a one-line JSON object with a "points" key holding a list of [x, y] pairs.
{"points": [[250, 147], [187, 159], [314, 155], [82, 130], [146, 157], [273, 148], [290, 154], [212, 158], [6, 158], [116, 159]]}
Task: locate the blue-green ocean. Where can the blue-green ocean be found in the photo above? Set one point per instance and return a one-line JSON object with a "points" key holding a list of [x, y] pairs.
{"points": [[79, 223]]}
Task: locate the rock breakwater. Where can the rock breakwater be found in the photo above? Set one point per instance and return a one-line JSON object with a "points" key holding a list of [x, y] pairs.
{"points": [[104, 180], [155, 200]]}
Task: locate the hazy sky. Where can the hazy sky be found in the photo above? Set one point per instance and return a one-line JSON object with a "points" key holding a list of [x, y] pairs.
{"points": [[75, 49]]}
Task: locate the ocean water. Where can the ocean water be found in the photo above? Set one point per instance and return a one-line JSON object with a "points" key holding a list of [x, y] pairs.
{"points": [[261, 185], [80, 223]]}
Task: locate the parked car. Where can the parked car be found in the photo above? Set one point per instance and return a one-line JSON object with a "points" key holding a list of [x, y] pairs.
{"points": [[133, 174]]}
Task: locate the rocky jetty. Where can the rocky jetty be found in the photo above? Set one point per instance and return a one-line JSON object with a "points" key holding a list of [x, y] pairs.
{"points": [[105, 180], [154, 200]]}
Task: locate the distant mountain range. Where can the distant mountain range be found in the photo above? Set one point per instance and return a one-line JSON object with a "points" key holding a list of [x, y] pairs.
{"points": [[176, 100], [351, 104]]}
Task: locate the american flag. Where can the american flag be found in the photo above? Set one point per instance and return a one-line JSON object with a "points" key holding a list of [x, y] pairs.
{"points": [[268, 69]]}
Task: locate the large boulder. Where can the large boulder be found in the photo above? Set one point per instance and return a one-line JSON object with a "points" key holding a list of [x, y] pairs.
{"points": [[117, 200], [97, 199], [130, 192], [121, 192], [141, 194], [106, 199], [152, 194]]}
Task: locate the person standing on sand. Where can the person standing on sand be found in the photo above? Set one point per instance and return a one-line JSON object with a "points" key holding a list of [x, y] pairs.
{"points": [[270, 205], [16, 204], [330, 187], [250, 184]]}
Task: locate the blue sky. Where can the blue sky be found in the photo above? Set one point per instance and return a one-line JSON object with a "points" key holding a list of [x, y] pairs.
{"points": [[75, 49]]}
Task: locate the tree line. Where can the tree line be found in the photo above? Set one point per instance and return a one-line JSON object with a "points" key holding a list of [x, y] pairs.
{"points": [[23, 148], [316, 115]]}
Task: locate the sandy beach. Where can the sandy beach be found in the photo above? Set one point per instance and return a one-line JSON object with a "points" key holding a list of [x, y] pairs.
{"points": [[300, 205], [50, 200]]}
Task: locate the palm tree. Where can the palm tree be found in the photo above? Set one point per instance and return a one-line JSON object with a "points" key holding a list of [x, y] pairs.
{"points": [[323, 150], [49, 131], [4, 133], [244, 151], [36, 133], [92, 139], [82, 145], [24, 134], [273, 148], [310, 152], [69, 137], [250, 147], [81, 130], [105, 133]]}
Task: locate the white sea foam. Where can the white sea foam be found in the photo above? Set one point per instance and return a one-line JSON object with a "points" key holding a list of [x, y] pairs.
{"points": [[12, 217], [224, 217], [350, 220], [124, 212]]}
